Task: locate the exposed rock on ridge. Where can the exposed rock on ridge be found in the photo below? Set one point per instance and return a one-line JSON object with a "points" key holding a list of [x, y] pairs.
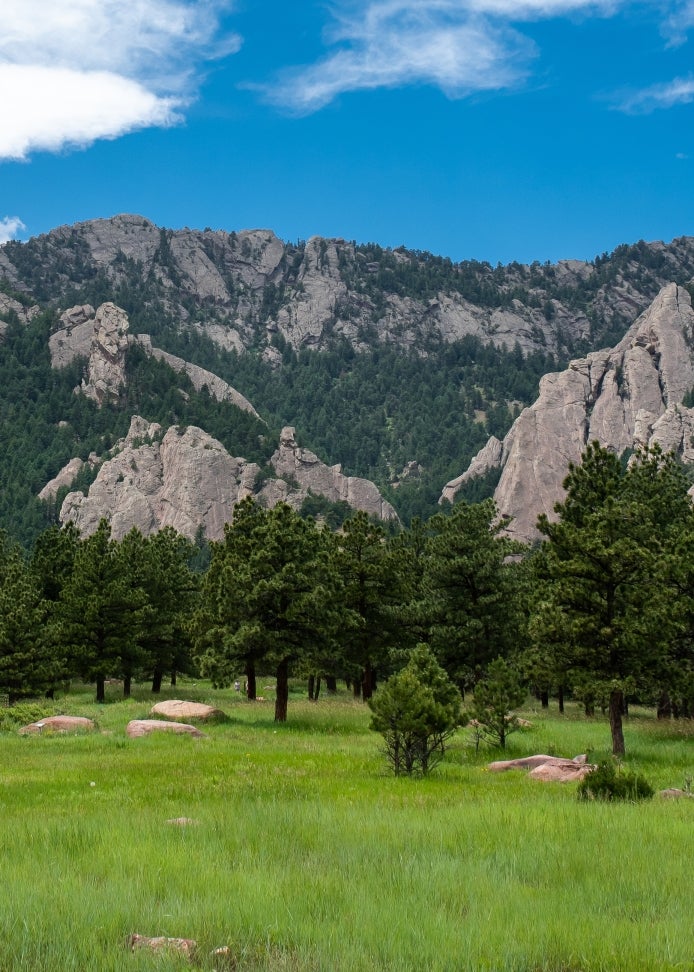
{"points": [[242, 288], [103, 337], [298, 465], [186, 479], [623, 398]]}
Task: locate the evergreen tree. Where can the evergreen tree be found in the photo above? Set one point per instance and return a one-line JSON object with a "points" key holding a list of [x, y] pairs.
{"points": [[269, 596], [604, 606], [373, 589], [100, 612], [473, 590]]}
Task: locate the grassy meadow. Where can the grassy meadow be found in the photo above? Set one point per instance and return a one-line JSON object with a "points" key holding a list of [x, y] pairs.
{"points": [[305, 854]]}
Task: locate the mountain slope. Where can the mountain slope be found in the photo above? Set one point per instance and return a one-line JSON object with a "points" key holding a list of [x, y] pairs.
{"points": [[630, 396]]}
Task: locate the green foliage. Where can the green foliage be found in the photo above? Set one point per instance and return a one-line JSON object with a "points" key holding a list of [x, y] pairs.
{"points": [[270, 594], [612, 551], [473, 589], [610, 781], [416, 712], [21, 714], [496, 695]]}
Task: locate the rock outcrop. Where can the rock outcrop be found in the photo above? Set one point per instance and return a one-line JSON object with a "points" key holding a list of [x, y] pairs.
{"points": [[297, 465], [145, 727], [106, 366], [623, 398], [548, 769], [199, 377], [178, 709], [244, 288], [103, 337], [59, 723], [185, 479], [182, 478]]}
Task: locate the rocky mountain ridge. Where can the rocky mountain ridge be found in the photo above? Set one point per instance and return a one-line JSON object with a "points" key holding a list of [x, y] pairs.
{"points": [[249, 289], [178, 477], [626, 397]]}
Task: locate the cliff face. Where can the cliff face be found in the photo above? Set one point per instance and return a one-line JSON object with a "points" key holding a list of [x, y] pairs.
{"points": [[186, 479], [623, 398], [245, 289]]}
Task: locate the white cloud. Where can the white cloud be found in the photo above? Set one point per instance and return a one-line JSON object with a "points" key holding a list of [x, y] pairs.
{"points": [[460, 46], [677, 92], [77, 70], [10, 226]]}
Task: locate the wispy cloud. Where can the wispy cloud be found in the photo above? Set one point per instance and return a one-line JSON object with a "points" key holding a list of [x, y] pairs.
{"points": [[78, 70], [677, 92], [460, 46], [10, 226]]}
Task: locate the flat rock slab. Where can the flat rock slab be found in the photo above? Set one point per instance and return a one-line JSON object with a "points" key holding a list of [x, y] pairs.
{"points": [[60, 723], [672, 793], [144, 727], [532, 762], [566, 772], [178, 709], [186, 946]]}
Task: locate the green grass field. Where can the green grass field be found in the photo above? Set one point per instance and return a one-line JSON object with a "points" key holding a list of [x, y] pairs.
{"points": [[306, 854]]}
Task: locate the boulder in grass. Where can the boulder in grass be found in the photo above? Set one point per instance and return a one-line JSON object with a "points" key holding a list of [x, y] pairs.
{"points": [[672, 793], [144, 727], [186, 946], [561, 771], [59, 723], [178, 709], [532, 762]]}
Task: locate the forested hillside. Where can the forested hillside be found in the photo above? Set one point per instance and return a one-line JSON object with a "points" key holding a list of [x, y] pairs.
{"points": [[397, 364]]}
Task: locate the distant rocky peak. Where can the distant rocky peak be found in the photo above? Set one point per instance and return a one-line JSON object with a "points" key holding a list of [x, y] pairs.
{"points": [[623, 398]]}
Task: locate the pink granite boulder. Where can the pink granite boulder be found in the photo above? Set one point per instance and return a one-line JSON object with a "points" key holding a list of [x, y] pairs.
{"points": [[59, 723], [145, 727]]}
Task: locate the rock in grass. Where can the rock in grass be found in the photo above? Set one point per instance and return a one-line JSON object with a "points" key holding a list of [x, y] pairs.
{"points": [[187, 946], [179, 709], [672, 793], [59, 723], [531, 762], [566, 771], [144, 727]]}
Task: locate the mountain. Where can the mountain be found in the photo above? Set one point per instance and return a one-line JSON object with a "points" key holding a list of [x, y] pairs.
{"points": [[245, 289], [627, 397], [397, 365]]}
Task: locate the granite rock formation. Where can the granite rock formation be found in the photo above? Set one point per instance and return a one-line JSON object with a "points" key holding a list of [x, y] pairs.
{"points": [[186, 479], [103, 337], [243, 288], [623, 398], [296, 465]]}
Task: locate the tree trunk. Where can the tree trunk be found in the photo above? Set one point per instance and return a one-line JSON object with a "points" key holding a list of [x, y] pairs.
{"points": [[251, 689], [331, 684], [100, 688], [316, 692], [616, 705], [173, 678], [282, 696], [560, 695], [356, 688], [156, 680], [367, 682], [544, 699], [664, 710], [589, 706], [127, 685], [311, 686]]}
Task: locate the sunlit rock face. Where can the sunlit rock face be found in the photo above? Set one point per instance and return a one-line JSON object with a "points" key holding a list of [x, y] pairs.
{"points": [[623, 398]]}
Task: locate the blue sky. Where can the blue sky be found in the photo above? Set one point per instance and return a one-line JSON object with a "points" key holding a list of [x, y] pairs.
{"points": [[486, 129]]}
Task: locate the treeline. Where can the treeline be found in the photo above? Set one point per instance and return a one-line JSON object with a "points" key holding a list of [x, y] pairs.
{"points": [[602, 610]]}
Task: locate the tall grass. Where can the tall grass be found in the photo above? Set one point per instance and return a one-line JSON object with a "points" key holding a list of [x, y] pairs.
{"points": [[306, 855]]}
